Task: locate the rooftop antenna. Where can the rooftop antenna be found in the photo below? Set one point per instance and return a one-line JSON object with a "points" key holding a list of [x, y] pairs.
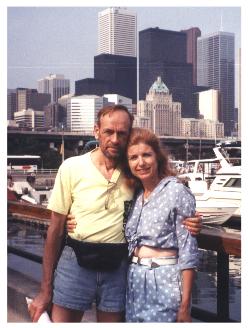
{"points": [[221, 24]]}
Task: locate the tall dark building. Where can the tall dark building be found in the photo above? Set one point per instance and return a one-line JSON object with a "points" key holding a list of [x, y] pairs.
{"points": [[11, 103], [192, 34], [215, 69], [112, 74], [90, 86], [120, 72], [164, 53]]}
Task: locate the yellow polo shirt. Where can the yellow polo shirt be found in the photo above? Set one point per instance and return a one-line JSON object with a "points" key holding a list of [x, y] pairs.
{"points": [[81, 189]]}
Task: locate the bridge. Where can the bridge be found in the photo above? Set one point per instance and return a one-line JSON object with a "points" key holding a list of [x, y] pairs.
{"points": [[75, 141]]}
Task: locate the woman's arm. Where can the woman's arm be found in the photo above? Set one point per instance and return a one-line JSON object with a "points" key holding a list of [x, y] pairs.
{"points": [[187, 251], [183, 314]]}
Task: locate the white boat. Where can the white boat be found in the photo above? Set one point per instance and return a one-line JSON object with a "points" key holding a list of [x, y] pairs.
{"points": [[215, 215], [31, 194], [200, 173], [222, 200], [223, 196]]}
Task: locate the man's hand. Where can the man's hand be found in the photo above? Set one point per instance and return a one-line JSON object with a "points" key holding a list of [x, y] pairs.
{"points": [[194, 224], [71, 223], [42, 302]]}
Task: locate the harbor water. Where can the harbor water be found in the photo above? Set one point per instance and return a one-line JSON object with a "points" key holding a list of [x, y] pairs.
{"points": [[31, 239]]}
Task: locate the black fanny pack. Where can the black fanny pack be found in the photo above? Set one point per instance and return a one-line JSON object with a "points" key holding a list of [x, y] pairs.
{"points": [[98, 256]]}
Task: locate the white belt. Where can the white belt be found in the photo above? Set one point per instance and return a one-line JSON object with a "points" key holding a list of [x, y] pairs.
{"points": [[154, 262]]}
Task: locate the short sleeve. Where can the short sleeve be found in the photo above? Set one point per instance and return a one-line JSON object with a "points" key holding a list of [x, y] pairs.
{"points": [[61, 200]]}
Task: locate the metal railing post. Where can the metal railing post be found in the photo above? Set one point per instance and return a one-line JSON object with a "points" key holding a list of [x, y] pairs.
{"points": [[223, 286]]}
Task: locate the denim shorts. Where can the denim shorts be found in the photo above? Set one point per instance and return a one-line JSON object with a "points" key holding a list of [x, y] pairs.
{"points": [[77, 288]]}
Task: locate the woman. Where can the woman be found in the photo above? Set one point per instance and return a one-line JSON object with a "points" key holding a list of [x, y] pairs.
{"points": [[163, 253]]}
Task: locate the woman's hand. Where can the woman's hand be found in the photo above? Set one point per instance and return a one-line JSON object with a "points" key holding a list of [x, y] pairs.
{"points": [[194, 224], [71, 223]]}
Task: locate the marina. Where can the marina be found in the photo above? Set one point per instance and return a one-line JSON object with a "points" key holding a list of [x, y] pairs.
{"points": [[216, 295], [215, 182]]}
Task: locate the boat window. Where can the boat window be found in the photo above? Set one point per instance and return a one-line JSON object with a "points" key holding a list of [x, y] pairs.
{"points": [[233, 182]]}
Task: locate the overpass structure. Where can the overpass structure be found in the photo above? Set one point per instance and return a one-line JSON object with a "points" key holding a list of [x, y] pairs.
{"points": [[180, 147]]}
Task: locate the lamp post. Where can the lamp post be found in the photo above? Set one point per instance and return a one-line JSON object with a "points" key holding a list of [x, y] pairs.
{"points": [[63, 145], [200, 147], [187, 147]]}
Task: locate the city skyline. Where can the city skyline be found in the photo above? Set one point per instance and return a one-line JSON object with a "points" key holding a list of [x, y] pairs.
{"points": [[54, 48]]}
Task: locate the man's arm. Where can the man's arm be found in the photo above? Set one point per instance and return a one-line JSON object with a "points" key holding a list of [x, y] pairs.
{"points": [[53, 244], [194, 224]]}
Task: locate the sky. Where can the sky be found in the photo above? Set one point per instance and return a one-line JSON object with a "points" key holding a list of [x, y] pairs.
{"points": [[63, 40]]}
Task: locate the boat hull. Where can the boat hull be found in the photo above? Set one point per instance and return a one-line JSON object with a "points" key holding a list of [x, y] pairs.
{"points": [[215, 215]]}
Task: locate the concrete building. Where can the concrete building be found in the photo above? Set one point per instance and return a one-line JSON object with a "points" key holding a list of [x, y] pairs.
{"points": [[54, 84], [239, 96], [119, 100], [209, 103], [64, 100], [11, 103], [117, 32], [54, 116], [11, 124], [163, 53], [30, 118], [192, 34], [201, 128], [142, 122], [163, 115], [63, 103], [82, 112], [215, 68], [30, 98]]}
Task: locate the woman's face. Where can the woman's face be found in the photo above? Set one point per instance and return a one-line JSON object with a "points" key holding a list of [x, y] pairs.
{"points": [[142, 161]]}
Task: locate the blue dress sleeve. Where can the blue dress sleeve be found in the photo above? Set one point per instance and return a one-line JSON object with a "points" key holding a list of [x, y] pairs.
{"points": [[187, 244]]}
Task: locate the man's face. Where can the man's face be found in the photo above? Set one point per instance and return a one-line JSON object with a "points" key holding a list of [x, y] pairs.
{"points": [[113, 134]]}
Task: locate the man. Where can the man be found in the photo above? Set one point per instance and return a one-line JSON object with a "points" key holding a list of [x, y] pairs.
{"points": [[92, 188]]}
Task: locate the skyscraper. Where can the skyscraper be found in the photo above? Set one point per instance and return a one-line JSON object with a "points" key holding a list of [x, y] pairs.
{"points": [[192, 34], [115, 66], [30, 98], [163, 53], [117, 30], [215, 68], [119, 71], [55, 84], [163, 114], [11, 103]]}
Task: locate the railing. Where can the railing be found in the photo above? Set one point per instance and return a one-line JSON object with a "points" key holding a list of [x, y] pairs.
{"points": [[36, 172], [223, 243]]}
